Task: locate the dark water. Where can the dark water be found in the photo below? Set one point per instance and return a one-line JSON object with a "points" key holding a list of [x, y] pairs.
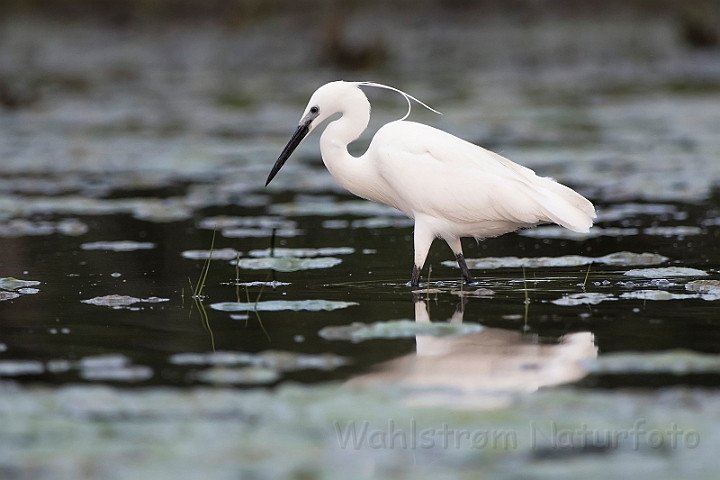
{"points": [[54, 324]]}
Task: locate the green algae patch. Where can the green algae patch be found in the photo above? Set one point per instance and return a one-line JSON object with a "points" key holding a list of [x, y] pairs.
{"points": [[358, 332], [282, 305]]}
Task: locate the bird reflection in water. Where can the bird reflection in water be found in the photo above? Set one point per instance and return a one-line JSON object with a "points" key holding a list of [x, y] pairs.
{"points": [[487, 368]]}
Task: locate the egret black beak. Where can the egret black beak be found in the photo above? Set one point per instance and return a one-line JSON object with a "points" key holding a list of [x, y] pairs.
{"points": [[302, 130]]}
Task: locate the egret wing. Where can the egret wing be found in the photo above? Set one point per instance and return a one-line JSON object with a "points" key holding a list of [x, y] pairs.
{"points": [[441, 176]]}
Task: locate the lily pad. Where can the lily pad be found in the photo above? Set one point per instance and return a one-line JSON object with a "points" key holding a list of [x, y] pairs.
{"points": [[280, 305], [361, 208], [260, 232], [626, 210], [301, 252], [711, 287], [358, 332], [287, 264], [120, 301], [223, 222], [118, 246], [12, 283], [477, 292], [565, 234], [132, 373], [248, 375], [666, 272], [20, 227], [272, 284], [677, 362], [591, 298], [656, 295], [617, 258], [274, 359], [8, 296], [220, 254], [383, 222], [14, 368], [676, 231]]}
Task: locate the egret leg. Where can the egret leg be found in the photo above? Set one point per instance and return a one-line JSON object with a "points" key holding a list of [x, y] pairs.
{"points": [[423, 239], [464, 269], [456, 247]]}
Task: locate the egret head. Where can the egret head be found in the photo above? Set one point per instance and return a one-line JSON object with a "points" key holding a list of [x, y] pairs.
{"points": [[327, 100], [334, 97]]}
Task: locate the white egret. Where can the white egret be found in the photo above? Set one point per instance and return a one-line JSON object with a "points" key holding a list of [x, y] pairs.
{"points": [[450, 187]]}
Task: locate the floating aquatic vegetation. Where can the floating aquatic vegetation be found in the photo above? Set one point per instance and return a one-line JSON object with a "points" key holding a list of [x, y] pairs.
{"points": [[287, 264], [711, 287], [150, 209], [118, 246], [656, 295], [219, 254], [477, 292], [260, 232], [8, 296], [383, 222], [247, 375], [565, 234], [335, 224], [360, 208], [131, 373], [358, 332], [14, 368], [677, 362], [590, 298], [279, 305], [618, 258], [625, 210], [274, 359], [121, 301], [28, 291], [273, 284], [110, 367], [223, 222], [21, 227], [72, 227], [301, 252], [666, 272], [12, 283], [677, 231]]}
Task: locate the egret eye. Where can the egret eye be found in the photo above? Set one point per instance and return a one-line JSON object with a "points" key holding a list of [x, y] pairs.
{"points": [[314, 109]]}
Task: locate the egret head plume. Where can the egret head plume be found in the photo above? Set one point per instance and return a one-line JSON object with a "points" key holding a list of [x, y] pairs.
{"points": [[407, 96]]}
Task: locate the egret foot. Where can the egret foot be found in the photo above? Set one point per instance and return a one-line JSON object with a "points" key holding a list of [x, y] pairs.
{"points": [[464, 269], [415, 279]]}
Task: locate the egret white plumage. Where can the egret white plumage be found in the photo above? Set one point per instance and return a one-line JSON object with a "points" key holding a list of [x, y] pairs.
{"points": [[450, 187]]}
